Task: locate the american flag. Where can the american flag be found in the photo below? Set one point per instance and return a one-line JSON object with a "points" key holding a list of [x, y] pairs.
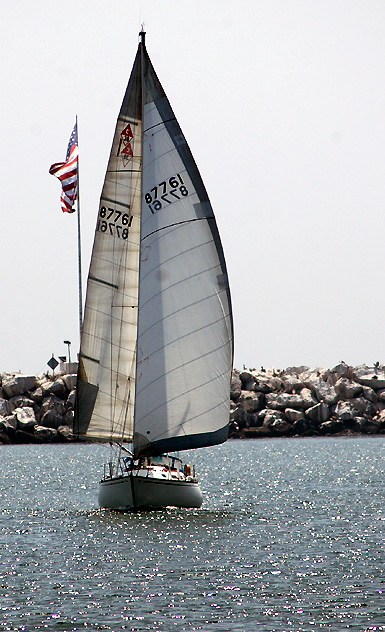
{"points": [[67, 172]]}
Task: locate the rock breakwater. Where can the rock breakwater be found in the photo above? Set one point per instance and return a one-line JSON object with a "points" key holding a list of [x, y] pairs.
{"points": [[298, 401], [36, 409], [307, 402]]}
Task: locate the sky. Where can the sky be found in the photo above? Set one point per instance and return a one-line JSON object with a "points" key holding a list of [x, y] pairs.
{"points": [[283, 105]]}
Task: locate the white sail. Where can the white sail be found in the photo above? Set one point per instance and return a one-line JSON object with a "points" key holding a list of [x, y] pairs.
{"points": [[106, 379], [184, 328], [155, 362]]}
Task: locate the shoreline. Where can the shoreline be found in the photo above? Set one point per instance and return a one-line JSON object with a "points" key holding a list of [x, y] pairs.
{"points": [[266, 403], [300, 401]]}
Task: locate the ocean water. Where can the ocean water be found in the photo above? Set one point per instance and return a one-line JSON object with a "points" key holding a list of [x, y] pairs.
{"points": [[290, 538]]}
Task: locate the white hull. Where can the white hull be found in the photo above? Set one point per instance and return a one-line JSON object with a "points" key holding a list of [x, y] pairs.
{"points": [[137, 490]]}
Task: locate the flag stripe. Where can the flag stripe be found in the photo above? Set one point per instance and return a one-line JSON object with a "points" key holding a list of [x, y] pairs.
{"points": [[67, 173]]}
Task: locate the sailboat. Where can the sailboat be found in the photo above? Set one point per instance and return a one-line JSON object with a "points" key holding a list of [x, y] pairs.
{"points": [[156, 347]]}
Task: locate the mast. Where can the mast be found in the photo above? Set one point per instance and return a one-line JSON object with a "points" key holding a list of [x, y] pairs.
{"points": [[79, 250], [142, 45]]}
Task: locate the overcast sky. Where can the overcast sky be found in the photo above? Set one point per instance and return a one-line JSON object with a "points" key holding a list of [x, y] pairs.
{"points": [[283, 105]]}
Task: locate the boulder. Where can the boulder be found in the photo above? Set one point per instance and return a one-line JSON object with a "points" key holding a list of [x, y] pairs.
{"points": [[57, 388], [4, 438], [235, 387], [313, 376], [268, 411], [37, 395], [251, 401], [307, 398], [370, 376], [257, 433], [332, 426], [25, 418], [234, 430], [368, 426], [341, 370], [11, 420], [45, 434], [296, 370], [22, 401], [247, 381], [281, 427], [70, 404], [70, 381], [291, 384], [347, 389], [318, 413], [53, 403], [381, 417], [52, 419], [64, 432], [370, 394], [22, 436], [263, 386], [324, 392], [280, 401], [270, 417], [5, 407], [8, 425], [18, 384], [345, 411], [292, 414], [239, 417], [361, 406], [304, 427], [381, 395], [69, 418], [267, 380]]}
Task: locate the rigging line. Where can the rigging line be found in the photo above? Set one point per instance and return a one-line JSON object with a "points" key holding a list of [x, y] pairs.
{"points": [[103, 282], [123, 171], [195, 417], [186, 221], [188, 392], [127, 120], [114, 201], [124, 413], [187, 251], [87, 357], [157, 124], [183, 365], [200, 273], [187, 335], [179, 311], [117, 410]]}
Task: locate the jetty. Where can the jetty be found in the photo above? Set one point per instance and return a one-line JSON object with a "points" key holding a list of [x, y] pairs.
{"points": [[268, 402], [300, 401]]}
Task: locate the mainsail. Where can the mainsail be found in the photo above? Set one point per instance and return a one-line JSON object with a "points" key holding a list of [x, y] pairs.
{"points": [[156, 349]]}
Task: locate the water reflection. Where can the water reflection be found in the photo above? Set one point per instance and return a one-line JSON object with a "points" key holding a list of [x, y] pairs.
{"points": [[290, 537]]}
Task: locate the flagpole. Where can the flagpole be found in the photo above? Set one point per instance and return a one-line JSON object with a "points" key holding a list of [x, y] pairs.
{"points": [[79, 247]]}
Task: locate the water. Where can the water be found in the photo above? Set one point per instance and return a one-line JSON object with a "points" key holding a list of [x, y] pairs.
{"points": [[290, 538]]}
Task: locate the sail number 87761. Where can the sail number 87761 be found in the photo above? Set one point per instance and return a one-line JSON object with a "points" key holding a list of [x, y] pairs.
{"points": [[114, 222], [165, 192]]}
